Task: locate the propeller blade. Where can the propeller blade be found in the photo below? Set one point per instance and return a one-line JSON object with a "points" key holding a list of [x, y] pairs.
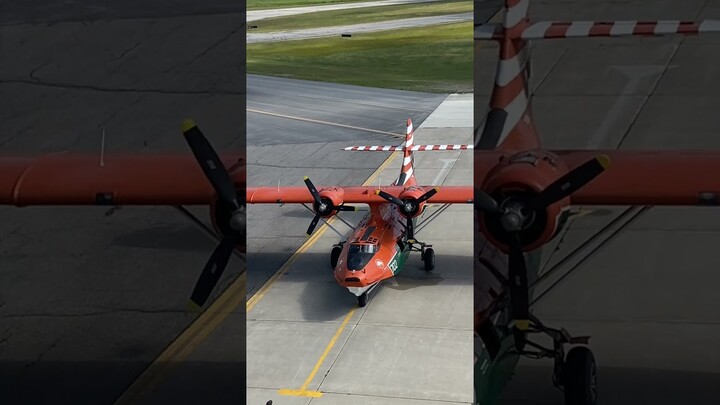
{"points": [[212, 271], [210, 163], [570, 182], [428, 195], [485, 203], [390, 197], [313, 223], [493, 129], [313, 190], [518, 284]]}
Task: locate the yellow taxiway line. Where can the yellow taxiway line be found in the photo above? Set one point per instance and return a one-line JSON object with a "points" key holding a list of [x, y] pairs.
{"points": [[190, 339], [215, 314]]}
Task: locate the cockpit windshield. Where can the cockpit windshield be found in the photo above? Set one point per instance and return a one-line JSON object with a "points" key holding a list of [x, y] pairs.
{"points": [[359, 255]]}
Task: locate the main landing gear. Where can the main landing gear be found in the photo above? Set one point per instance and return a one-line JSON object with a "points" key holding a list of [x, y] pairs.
{"points": [[575, 373], [427, 254]]}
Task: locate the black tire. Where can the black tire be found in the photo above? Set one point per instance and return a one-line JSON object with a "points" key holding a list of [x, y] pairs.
{"points": [[334, 256], [429, 259], [580, 377], [362, 299]]}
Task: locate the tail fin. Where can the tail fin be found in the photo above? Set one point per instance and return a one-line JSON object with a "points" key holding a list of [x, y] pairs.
{"points": [[509, 123], [407, 171]]}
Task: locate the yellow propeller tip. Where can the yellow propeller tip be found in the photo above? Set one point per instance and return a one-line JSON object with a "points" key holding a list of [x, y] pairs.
{"points": [[604, 161], [522, 324], [305, 178], [437, 188], [192, 306], [187, 125], [377, 192]]}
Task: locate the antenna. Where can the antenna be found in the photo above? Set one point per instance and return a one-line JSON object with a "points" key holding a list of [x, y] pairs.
{"points": [[102, 149]]}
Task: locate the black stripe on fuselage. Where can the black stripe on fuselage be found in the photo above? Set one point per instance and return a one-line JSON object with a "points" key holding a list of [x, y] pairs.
{"points": [[367, 233]]}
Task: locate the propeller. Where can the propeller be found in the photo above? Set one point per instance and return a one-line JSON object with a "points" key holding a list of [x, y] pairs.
{"points": [[408, 206], [323, 207], [514, 217], [221, 182]]}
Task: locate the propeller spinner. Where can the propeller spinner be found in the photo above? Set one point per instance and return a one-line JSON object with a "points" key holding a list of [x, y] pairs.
{"points": [[323, 206], [220, 179]]}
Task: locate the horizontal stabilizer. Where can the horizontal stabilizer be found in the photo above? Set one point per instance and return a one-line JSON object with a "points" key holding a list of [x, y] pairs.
{"points": [[584, 29], [414, 148]]}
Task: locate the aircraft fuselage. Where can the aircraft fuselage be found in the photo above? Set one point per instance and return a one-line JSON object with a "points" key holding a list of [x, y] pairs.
{"points": [[376, 250]]}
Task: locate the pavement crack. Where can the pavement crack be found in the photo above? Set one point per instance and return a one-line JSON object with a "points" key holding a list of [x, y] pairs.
{"points": [[34, 71], [125, 52], [88, 87], [208, 49], [42, 354]]}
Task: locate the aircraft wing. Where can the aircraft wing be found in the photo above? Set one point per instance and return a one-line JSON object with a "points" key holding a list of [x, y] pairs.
{"points": [[651, 178], [355, 194], [133, 179]]}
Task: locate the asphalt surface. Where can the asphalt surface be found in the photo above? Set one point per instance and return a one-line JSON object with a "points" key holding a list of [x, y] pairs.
{"points": [[648, 294], [88, 301]]}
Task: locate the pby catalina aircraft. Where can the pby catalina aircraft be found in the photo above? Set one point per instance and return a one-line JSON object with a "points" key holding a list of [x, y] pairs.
{"points": [[382, 241], [376, 251], [524, 194]]}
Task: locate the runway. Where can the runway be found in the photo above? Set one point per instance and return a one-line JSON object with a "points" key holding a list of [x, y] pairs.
{"points": [[644, 289], [307, 340], [309, 33]]}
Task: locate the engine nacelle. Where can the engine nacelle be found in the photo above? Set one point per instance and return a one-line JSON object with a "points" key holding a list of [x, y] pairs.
{"points": [[518, 178], [412, 193], [332, 197]]}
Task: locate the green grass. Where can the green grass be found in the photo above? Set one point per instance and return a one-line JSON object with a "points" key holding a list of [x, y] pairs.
{"points": [[363, 15], [263, 4], [433, 59]]}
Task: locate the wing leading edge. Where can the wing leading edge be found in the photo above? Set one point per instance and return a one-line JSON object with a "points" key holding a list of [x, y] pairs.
{"points": [[354, 194], [67, 179]]}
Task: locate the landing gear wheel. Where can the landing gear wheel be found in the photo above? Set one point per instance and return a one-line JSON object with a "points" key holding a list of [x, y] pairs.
{"points": [[334, 256], [580, 377], [428, 257], [362, 299]]}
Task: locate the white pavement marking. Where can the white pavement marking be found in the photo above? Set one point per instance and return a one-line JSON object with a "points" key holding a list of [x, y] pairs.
{"points": [[455, 112], [257, 15], [635, 76], [357, 28], [447, 165]]}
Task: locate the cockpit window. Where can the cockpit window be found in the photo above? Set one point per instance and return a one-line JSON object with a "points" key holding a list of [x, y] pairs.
{"points": [[359, 255]]}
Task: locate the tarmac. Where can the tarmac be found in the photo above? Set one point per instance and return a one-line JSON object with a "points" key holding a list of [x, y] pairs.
{"points": [[308, 342], [645, 288]]}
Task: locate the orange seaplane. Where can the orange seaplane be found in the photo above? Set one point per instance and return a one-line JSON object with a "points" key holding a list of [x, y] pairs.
{"points": [[524, 194], [376, 251], [382, 241]]}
